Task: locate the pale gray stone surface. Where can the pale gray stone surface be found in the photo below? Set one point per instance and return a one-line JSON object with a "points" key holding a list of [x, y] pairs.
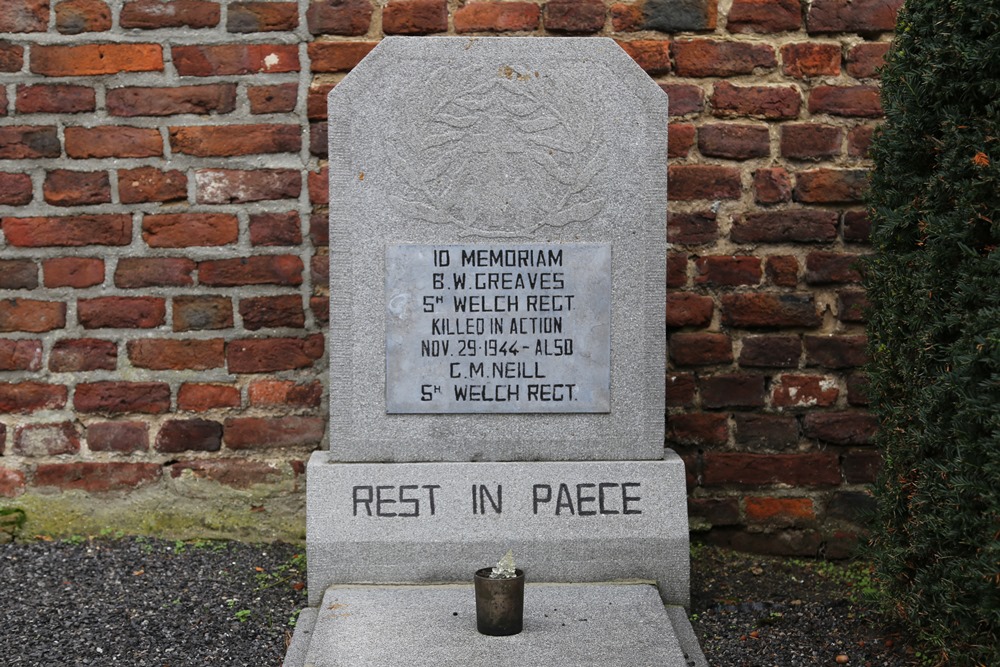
{"points": [[295, 656], [639, 532], [487, 141]]}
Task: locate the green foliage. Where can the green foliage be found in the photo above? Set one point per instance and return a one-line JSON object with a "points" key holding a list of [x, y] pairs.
{"points": [[934, 327]]}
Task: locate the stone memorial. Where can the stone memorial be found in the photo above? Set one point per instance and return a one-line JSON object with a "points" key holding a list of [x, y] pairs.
{"points": [[497, 357]]}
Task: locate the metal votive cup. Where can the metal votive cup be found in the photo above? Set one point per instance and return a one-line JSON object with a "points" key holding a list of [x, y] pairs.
{"points": [[499, 603]]}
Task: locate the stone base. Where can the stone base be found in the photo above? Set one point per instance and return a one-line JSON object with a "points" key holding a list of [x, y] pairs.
{"points": [[564, 624]]}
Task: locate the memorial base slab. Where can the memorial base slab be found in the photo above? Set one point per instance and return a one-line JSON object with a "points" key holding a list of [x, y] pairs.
{"points": [[564, 624]]}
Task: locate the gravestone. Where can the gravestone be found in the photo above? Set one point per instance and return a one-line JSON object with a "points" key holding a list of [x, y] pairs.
{"points": [[497, 355]]}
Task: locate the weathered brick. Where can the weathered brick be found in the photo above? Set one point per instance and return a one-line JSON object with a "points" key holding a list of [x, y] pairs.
{"points": [[12, 482], [20, 354], [703, 181], [575, 16], [685, 98], [811, 141], [316, 100], [795, 225], [31, 315], [275, 229], [163, 354], [237, 186], [113, 141], [339, 17], [496, 17], [677, 270], [319, 269], [734, 141], [275, 393], [272, 311], [262, 16], [857, 227], [755, 430], [859, 140], [119, 397], [693, 228], [154, 14], [727, 271], [680, 390], [183, 435], [864, 60], [782, 270], [319, 186], [698, 429], [771, 351], [258, 270], [18, 274], [804, 391], [77, 272], [268, 433], [824, 268], [700, 349], [230, 59], [233, 140], [840, 428], [25, 16], [779, 512], [319, 229], [96, 477], [195, 313], [266, 355], [11, 57], [27, 397], [685, 309], [672, 16], [279, 98], [138, 272], [680, 140], [652, 55], [862, 16], [713, 511], [28, 142], [185, 230], [46, 439], [337, 56], [851, 101], [60, 98], [215, 98], [15, 189], [123, 437], [861, 466], [64, 187], [118, 312], [830, 186], [77, 16], [95, 59], [626, 17], [732, 390], [818, 469], [149, 184], [804, 60], [196, 397], [851, 306], [768, 102], [772, 185], [415, 17], [74, 355], [764, 16], [706, 57], [235, 473], [769, 310], [836, 352]]}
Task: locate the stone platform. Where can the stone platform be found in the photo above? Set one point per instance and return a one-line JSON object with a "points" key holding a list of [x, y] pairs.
{"points": [[564, 624]]}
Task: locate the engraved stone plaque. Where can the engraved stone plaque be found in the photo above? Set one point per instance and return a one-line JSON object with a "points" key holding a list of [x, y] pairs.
{"points": [[498, 328]]}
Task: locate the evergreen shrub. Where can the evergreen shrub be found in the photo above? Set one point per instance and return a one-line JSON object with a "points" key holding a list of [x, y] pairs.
{"points": [[934, 327]]}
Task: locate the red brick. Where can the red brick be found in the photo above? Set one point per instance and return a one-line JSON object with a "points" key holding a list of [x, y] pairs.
{"points": [[680, 140], [31, 315], [804, 391], [95, 59], [831, 186], [824, 268], [780, 512], [575, 16], [756, 430], [46, 439], [262, 17], [201, 397], [119, 437], [319, 229], [136, 272], [20, 355], [769, 102], [697, 429], [857, 227], [259, 270], [769, 310], [840, 428], [25, 16], [216, 98], [764, 16], [182, 435], [83, 354], [836, 352], [680, 390], [27, 397], [160, 354], [268, 433], [11, 57], [15, 189], [732, 390], [863, 60], [272, 311], [859, 140], [154, 14], [275, 393], [280, 98], [496, 17], [862, 16], [703, 181], [316, 100], [318, 139], [700, 349], [233, 140], [236, 186], [339, 17], [802, 470], [63, 187], [693, 228], [861, 466], [337, 56], [804, 60], [149, 184], [185, 230], [798, 226], [118, 397], [275, 229], [727, 271], [202, 312], [18, 274], [652, 55], [235, 473], [319, 186], [415, 17], [75, 272], [689, 310], [230, 59], [113, 141], [56, 98], [811, 141], [734, 141], [117, 312], [771, 351], [713, 511], [685, 98], [627, 17], [851, 306], [677, 270], [77, 16], [771, 185], [11, 483], [27, 142], [705, 57], [96, 477], [852, 101], [266, 355]]}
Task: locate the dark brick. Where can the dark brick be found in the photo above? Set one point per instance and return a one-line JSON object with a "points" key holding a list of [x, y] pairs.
{"points": [[727, 271], [714, 511], [854, 506], [181, 435], [772, 185], [851, 306], [767, 102], [840, 428], [339, 17], [415, 17], [764, 16], [861, 466], [697, 429], [769, 310], [272, 311], [96, 477], [862, 16], [819, 469], [18, 274], [694, 228], [811, 141], [117, 397], [119, 437], [756, 431], [734, 141], [782, 270], [575, 16], [83, 354], [733, 390], [685, 98], [795, 225], [672, 16], [824, 268], [685, 309], [268, 433], [771, 351], [836, 352], [201, 312], [699, 349]]}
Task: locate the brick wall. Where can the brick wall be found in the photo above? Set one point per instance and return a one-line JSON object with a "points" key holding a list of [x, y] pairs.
{"points": [[163, 255]]}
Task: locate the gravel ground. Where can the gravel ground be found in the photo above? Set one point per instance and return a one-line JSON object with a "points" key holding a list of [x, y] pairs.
{"points": [[145, 602]]}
